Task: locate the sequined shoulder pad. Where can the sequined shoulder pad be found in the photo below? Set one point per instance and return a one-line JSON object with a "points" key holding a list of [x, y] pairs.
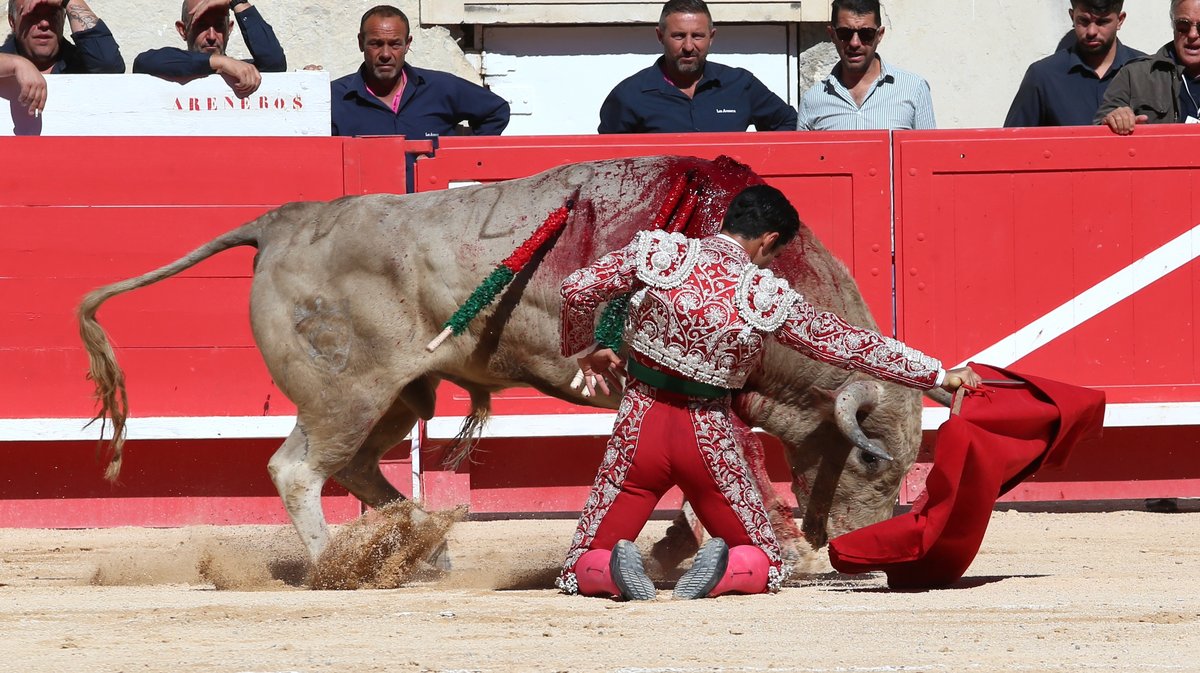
{"points": [[665, 260], [763, 300]]}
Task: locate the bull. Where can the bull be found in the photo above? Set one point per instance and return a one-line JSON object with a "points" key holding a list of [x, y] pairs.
{"points": [[347, 293]]}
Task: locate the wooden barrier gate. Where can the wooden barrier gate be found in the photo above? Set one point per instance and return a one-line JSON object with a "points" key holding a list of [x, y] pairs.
{"points": [[1069, 253]]}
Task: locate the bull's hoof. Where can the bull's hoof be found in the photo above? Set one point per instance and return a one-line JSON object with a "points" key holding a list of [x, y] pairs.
{"points": [[668, 554], [681, 542], [439, 558]]}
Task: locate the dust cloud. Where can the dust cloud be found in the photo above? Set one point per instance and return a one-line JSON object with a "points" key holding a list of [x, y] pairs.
{"points": [[383, 549], [209, 556]]}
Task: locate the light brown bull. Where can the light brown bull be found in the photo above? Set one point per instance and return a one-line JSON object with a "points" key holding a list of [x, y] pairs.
{"points": [[347, 293]]}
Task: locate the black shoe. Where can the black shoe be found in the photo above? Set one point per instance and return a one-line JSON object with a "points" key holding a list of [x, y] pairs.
{"points": [[707, 569], [629, 573]]}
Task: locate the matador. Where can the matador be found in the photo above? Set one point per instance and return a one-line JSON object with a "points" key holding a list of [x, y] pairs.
{"points": [[700, 313]]}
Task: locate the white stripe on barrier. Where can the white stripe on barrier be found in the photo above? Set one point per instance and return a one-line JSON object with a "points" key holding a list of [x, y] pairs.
{"points": [[161, 427], [1091, 302], [529, 425]]}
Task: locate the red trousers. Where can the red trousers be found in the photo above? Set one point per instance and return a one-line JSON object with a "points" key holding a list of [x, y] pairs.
{"points": [[660, 440]]}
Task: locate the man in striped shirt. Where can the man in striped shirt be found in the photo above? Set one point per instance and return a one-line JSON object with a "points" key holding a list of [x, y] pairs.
{"points": [[862, 92]]}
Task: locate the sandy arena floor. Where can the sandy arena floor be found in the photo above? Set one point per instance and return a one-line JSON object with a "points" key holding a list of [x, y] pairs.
{"points": [[1049, 592]]}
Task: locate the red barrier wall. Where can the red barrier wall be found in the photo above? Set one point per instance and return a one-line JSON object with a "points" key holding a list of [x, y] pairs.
{"points": [[1069, 253], [185, 344], [995, 231]]}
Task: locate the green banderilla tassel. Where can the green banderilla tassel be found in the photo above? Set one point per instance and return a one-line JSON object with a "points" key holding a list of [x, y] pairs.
{"points": [[610, 332], [480, 299]]}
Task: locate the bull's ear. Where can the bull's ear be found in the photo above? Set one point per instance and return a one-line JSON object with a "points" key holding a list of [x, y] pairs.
{"points": [[821, 399]]}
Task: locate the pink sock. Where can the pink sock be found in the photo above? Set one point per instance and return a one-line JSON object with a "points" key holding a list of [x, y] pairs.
{"points": [[593, 574], [746, 572]]}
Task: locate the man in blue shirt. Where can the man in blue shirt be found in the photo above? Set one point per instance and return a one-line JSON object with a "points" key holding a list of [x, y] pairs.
{"points": [[387, 96], [37, 46], [1066, 88], [205, 26], [862, 91], [683, 92]]}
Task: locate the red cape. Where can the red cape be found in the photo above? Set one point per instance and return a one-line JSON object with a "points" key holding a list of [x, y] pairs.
{"points": [[1001, 435]]}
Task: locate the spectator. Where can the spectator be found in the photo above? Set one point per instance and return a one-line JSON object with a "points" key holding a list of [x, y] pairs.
{"points": [[1162, 88], [37, 46], [1066, 88], [205, 26], [683, 92], [387, 96], [37, 37], [863, 92]]}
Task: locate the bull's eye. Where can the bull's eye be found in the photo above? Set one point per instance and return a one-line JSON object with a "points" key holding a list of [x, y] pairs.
{"points": [[867, 457]]}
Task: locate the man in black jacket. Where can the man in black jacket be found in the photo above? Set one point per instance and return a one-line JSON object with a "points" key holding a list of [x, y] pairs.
{"points": [[37, 46], [684, 92], [1067, 87], [205, 26]]}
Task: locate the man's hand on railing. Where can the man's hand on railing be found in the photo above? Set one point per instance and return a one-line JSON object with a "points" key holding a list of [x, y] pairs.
{"points": [[242, 77], [31, 82], [1122, 120]]}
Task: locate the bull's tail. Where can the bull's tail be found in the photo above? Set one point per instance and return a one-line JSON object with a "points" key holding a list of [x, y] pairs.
{"points": [[103, 369]]}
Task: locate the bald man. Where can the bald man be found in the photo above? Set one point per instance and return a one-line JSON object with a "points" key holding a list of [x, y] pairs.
{"points": [[205, 26]]}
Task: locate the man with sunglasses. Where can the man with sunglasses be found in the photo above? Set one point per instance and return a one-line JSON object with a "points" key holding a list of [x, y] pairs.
{"points": [[1066, 88], [862, 92], [684, 92], [1163, 88]]}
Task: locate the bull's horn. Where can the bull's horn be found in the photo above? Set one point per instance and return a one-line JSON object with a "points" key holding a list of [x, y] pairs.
{"points": [[853, 397], [941, 396]]}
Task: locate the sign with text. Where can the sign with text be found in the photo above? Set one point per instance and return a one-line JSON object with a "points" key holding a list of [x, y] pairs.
{"points": [[286, 104]]}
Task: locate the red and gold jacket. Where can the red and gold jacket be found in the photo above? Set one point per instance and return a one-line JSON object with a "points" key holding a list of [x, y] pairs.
{"points": [[701, 310]]}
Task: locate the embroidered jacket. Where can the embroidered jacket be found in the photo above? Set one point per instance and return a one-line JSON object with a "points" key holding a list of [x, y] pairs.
{"points": [[701, 310]]}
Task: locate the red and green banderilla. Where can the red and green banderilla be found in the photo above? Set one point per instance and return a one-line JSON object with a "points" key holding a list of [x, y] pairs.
{"points": [[502, 275]]}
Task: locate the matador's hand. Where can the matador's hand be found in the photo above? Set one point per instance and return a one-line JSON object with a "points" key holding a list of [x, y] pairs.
{"points": [[963, 376], [599, 368]]}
